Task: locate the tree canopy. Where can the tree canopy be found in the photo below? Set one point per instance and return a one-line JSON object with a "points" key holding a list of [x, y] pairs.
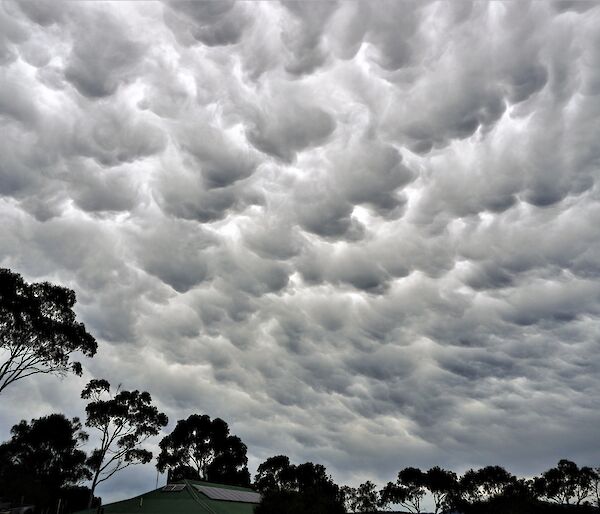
{"points": [[275, 474], [494, 490], [442, 485], [206, 449], [43, 459], [302, 489], [408, 490], [38, 330], [566, 483], [485, 483], [124, 422], [364, 498]]}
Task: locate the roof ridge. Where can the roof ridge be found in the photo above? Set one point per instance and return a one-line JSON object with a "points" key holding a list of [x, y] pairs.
{"points": [[216, 485]]}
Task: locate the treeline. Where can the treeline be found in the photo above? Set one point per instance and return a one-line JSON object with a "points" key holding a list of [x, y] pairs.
{"points": [[308, 489], [491, 489], [45, 463]]}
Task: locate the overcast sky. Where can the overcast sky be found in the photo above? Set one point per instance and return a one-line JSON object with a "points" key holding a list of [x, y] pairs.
{"points": [[365, 234]]}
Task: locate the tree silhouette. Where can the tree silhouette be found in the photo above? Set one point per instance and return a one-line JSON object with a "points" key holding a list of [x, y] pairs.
{"points": [[276, 474], [294, 502], [124, 421], [442, 484], [311, 490], [364, 498], [38, 331], [313, 477], [408, 490], [485, 483], [43, 458], [205, 446], [596, 486], [566, 483]]}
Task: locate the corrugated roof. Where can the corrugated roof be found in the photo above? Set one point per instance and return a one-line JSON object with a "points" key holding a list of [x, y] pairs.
{"points": [[187, 501]]}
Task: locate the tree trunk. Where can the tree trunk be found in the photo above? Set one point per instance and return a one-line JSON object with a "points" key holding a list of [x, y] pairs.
{"points": [[92, 490]]}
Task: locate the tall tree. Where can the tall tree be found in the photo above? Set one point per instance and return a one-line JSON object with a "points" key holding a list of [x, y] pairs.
{"points": [[306, 489], [442, 484], [313, 477], [585, 488], [408, 490], [364, 498], [38, 331], [275, 474], [207, 447], [485, 483], [42, 458], [124, 422], [566, 483]]}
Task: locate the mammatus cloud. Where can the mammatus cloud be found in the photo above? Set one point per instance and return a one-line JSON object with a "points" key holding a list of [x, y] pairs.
{"points": [[363, 234]]}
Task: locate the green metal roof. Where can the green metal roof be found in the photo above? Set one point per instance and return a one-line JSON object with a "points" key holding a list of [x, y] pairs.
{"points": [[187, 501]]}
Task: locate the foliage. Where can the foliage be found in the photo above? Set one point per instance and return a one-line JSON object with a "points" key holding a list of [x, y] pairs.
{"points": [[566, 483], [560, 490], [364, 498], [303, 489], [38, 331], [76, 498], [314, 477], [408, 490], [275, 474], [294, 502], [206, 447], [485, 483], [43, 461], [505, 504], [596, 487], [179, 473], [442, 485], [124, 422]]}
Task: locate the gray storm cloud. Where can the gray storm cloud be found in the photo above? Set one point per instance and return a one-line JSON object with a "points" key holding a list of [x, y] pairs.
{"points": [[364, 234]]}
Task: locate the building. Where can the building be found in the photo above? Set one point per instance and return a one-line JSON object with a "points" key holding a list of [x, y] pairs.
{"points": [[186, 497]]}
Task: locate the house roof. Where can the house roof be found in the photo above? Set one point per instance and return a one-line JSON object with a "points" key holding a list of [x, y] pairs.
{"points": [[188, 500]]}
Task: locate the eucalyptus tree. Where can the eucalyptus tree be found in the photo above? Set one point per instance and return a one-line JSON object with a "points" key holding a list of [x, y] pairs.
{"points": [[485, 483], [38, 330], [298, 489], [566, 483], [124, 422], [46, 450], [443, 486], [408, 490], [205, 446], [276, 474], [364, 498]]}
